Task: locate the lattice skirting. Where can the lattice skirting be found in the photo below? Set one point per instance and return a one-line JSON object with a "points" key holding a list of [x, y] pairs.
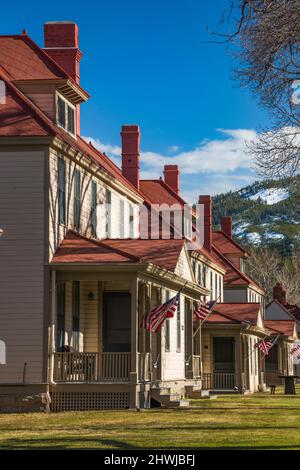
{"points": [[84, 401]]}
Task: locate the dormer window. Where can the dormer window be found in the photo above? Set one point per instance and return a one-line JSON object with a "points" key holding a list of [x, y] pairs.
{"points": [[65, 114]]}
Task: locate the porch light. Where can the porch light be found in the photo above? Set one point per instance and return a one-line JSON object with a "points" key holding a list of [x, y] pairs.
{"points": [[1, 232], [91, 296]]}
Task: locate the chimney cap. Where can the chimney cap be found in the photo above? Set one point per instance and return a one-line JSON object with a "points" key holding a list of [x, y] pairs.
{"points": [[60, 22], [171, 167], [204, 198], [130, 128]]}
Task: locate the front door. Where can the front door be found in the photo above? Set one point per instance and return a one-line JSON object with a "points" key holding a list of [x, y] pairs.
{"points": [[223, 363], [224, 355], [116, 321]]}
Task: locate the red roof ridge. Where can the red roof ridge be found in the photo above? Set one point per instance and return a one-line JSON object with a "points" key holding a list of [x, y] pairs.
{"points": [[100, 243], [244, 276], [232, 240], [110, 163], [168, 188]]}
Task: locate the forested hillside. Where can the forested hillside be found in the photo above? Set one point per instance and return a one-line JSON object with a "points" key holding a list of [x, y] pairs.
{"points": [[266, 213]]}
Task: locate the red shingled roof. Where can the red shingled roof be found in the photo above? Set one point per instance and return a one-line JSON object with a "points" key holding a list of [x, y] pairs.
{"points": [[235, 313], [77, 249], [233, 275], [17, 118], [21, 117], [293, 310], [285, 327], [226, 245], [24, 60], [159, 192]]}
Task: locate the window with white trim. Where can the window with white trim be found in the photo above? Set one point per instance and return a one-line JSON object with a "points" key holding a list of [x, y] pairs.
{"points": [[65, 114]]}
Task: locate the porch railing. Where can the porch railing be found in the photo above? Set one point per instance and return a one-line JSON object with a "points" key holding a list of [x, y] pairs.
{"points": [[197, 366], [144, 367], [218, 381], [91, 367]]}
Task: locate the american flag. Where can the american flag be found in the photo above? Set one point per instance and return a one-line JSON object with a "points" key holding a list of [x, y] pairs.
{"points": [[264, 345], [153, 320], [204, 310], [295, 351]]}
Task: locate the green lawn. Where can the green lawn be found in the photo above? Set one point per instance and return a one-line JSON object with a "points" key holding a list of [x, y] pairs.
{"points": [[261, 421]]}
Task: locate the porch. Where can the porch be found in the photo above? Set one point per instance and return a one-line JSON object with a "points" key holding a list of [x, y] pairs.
{"points": [[97, 337], [229, 362], [94, 367]]}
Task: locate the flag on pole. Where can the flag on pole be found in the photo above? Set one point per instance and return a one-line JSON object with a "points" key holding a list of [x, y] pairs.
{"points": [[154, 319], [264, 345], [295, 351], [204, 310]]}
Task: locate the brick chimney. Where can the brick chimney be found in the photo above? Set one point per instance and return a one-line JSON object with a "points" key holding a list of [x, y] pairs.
{"points": [[279, 293], [226, 226], [131, 154], [171, 176], [61, 44], [206, 201]]}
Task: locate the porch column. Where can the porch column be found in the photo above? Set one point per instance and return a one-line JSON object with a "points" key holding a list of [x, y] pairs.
{"points": [[189, 342], [134, 332], [148, 341], [161, 299], [52, 328]]}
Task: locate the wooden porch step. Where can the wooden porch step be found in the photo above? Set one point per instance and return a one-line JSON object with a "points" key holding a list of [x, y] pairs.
{"points": [[170, 399]]}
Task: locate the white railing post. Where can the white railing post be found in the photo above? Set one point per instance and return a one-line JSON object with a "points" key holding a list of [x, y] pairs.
{"points": [[52, 328]]}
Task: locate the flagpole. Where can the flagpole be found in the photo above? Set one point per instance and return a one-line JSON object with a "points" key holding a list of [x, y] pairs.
{"points": [[201, 362], [205, 319], [200, 341]]}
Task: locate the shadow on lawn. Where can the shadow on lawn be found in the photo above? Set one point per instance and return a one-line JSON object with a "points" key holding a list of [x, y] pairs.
{"points": [[109, 445]]}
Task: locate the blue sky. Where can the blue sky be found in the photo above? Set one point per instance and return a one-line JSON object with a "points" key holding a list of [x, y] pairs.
{"points": [[147, 63]]}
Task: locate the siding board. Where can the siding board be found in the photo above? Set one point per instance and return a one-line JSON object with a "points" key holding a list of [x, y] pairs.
{"points": [[22, 264]]}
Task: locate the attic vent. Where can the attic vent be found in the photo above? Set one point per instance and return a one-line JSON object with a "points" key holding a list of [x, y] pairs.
{"points": [[85, 401]]}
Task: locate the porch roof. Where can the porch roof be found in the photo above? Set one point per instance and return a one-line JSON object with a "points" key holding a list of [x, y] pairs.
{"points": [[75, 248], [285, 327], [236, 313]]}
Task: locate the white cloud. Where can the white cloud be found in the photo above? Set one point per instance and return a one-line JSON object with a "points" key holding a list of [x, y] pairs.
{"points": [[173, 148], [210, 156], [110, 150], [217, 185], [223, 161], [223, 155]]}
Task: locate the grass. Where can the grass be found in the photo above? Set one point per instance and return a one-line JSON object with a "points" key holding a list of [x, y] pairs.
{"points": [[259, 421]]}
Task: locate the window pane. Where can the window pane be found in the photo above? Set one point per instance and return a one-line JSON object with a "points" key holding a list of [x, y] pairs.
{"points": [[61, 112], [94, 208], [61, 176], [108, 213], [75, 315], [131, 221], [71, 120], [122, 216], [60, 327], [77, 199]]}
